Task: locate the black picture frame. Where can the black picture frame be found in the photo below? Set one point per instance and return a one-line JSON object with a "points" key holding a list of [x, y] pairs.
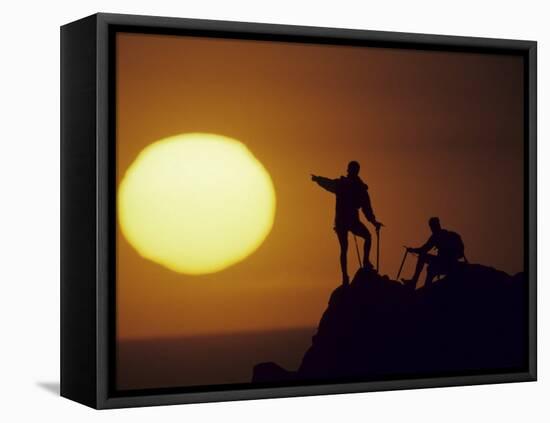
{"points": [[88, 199]]}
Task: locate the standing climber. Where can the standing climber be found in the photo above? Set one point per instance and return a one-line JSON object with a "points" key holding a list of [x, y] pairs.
{"points": [[351, 195]]}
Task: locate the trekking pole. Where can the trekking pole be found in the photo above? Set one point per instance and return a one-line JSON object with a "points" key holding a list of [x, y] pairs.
{"points": [[357, 249], [402, 263], [377, 249]]}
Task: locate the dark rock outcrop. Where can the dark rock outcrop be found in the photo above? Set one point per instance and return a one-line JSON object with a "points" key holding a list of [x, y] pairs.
{"points": [[473, 320]]}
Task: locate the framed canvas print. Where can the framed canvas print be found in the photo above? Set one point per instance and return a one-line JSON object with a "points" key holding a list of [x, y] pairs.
{"points": [[256, 211]]}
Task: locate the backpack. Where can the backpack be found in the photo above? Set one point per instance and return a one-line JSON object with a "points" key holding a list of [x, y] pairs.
{"points": [[454, 245]]}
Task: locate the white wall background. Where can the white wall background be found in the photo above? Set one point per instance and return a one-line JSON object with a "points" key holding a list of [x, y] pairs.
{"points": [[29, 211]]}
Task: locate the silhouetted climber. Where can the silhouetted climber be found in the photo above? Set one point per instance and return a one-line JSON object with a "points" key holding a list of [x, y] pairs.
{"points": [[450, 249], [351, 195]]}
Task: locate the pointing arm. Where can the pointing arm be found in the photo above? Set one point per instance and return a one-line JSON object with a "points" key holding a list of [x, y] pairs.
{"points": [[326, 183]]}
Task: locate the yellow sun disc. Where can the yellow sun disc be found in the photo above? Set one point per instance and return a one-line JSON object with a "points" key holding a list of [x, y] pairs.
{"points": [[196, 203]]}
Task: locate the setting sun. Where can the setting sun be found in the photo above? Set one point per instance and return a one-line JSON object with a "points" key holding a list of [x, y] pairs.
{"points": [[196, 203]]}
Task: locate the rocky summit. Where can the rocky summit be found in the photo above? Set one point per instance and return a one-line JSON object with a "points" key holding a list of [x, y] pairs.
{"points": [[376, 328]]}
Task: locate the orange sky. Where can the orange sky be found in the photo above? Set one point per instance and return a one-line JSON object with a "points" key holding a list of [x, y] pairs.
{"points": [[436, 134]]}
